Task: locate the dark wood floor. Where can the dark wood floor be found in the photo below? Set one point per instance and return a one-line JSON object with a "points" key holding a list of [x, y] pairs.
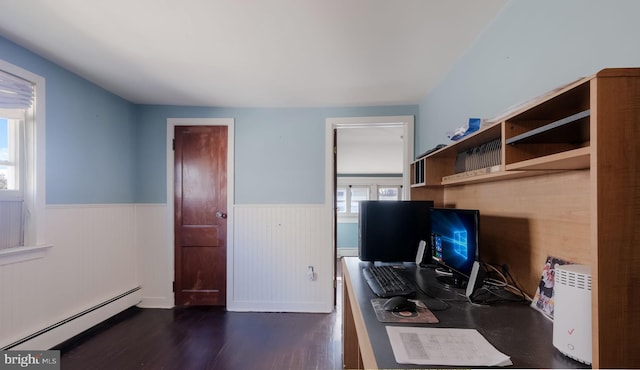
{"points": [[208, 338]]}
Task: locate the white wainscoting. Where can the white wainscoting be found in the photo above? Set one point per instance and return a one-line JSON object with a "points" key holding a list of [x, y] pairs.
{"points": [[273, 247], [269, 250], [154, 238], [101, 251], [93, 259]]}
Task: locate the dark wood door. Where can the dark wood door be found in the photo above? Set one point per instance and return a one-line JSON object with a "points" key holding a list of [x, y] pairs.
{"points": [[200, 215]]}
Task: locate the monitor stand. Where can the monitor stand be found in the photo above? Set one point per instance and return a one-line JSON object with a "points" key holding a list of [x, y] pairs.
{"points": [[452, 281], [438, 282]]}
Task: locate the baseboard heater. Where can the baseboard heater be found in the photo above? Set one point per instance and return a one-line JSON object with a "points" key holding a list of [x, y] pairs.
{"points": [[76, 324]]}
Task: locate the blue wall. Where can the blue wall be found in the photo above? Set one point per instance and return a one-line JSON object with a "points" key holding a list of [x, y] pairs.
{"points": [[347, 234], [279, 152], [530, 48], [90, 136], [101, 148]]}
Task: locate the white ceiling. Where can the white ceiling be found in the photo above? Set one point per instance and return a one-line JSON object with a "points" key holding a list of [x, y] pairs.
{"points": [[253, 53], [370, 150]]}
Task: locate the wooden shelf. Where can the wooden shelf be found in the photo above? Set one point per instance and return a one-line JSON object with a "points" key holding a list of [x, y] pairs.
{"points": [[568, 129], [540, 139], [429, 170], [576, 159], [493, 176], [476, 139], [417, 173]]}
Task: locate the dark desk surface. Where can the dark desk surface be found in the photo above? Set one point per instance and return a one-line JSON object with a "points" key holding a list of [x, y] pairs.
{"points": [[513, 328]]}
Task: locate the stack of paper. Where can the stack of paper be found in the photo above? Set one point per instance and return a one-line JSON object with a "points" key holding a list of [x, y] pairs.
{"points": [[441, 346]]}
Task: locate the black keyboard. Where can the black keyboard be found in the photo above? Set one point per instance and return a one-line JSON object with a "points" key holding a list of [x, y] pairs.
{"points": [[385, 281]]}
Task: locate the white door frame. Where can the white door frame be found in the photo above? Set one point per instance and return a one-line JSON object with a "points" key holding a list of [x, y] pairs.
{"points": [[171, 124], [407, 122]]}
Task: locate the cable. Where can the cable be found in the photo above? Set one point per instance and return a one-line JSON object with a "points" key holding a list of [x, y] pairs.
{"points": [[516, 286], [497, 289], [494, 282], [513, 287]]}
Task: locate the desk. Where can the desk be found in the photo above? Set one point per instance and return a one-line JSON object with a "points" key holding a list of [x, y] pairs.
{"points": [[513, 328]]}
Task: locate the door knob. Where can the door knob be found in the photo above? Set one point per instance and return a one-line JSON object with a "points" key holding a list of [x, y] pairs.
{"points": [[221, 214]]}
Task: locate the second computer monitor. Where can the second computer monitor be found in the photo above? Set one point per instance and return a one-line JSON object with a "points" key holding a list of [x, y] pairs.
{"points": [[391, 231], [454, 242]]}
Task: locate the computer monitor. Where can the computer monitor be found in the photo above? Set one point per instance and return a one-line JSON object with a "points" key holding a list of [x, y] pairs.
{"points": [[390, 231], [454, 243]]}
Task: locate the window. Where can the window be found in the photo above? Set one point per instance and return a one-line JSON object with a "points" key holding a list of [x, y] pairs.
{"points": [[341, 200], [389, 192], [352, 190], [16, 96], [11, 122], [11, 189], [357, 193], [21, 182], [348, 199]]}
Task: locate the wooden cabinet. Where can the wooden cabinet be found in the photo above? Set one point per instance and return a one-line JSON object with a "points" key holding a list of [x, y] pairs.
{"points": [[566, 184]]}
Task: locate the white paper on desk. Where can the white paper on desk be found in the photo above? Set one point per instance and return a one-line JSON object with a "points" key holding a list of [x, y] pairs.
{"points": [[442, 346]]}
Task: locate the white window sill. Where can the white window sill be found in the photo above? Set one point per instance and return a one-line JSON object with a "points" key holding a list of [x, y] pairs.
{"points": [[19, 254], [348, 219]]}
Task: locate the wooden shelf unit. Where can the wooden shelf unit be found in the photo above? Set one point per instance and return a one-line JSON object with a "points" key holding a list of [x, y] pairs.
{"points": [[568, 186], [417, 173], [442, 163]]}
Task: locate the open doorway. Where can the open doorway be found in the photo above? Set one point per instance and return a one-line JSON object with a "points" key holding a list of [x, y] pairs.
{"points": [[368, 179], [369, 166]]}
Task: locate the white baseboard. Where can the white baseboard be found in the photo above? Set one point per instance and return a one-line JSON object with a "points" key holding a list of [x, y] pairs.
{"points": [[302, 307], [66, 329], [156, 302]]}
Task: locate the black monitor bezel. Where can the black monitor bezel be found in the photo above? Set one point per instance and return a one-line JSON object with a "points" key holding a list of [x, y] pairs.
{"points": [[380, 250]]}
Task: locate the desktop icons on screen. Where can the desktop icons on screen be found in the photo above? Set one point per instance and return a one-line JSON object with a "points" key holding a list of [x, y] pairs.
{"points": [[454, 240]]}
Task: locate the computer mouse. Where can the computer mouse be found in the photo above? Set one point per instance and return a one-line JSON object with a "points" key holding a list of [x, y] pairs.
{"points": [[399, 304]]}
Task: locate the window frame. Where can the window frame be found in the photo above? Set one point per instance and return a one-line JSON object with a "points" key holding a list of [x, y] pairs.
{"points": [[348, 202], [33, 191], [371, 182], [397, 187]]}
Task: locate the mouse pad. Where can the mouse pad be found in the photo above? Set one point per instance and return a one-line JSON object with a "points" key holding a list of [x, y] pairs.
{"points": [[422, 315]]}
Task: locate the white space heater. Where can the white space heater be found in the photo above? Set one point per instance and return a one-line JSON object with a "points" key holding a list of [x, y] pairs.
{"points": [[572, 311]]}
